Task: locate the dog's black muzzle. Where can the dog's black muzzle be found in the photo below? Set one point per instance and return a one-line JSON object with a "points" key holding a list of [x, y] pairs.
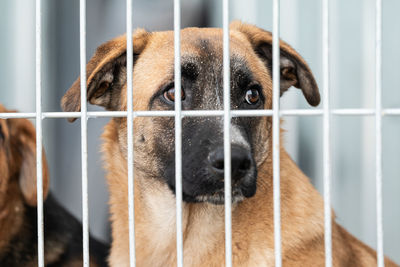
{"points": [[210, 185], [203, 164]]}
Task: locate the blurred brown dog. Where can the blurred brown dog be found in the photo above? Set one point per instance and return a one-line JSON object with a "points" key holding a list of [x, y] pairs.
{"points": [[203, 215], [18, 216]]}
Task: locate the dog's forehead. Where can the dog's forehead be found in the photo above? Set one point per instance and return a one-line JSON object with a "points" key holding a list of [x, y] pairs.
{"points": [[198, 41], [201, 48]]}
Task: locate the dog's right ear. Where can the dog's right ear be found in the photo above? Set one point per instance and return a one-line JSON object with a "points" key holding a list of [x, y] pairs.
{"points": [[106, 74], [294, 71]]}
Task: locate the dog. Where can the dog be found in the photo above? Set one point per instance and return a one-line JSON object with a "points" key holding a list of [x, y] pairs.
{"points": [[202, 153], [18, 215]]}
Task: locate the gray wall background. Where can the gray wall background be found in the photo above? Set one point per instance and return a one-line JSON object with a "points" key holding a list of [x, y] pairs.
{"points": [[352, 86]]}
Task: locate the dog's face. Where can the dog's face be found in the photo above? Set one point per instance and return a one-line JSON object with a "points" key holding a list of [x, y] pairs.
{"points": [[18, 162], [202, 89]]}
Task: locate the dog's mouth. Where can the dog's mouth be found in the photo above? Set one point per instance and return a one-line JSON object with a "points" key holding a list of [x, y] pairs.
{"points": [[210, 188], [218, 197]]}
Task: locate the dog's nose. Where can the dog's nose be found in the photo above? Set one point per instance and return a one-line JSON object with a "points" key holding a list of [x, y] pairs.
{"points": [[241, 162]]}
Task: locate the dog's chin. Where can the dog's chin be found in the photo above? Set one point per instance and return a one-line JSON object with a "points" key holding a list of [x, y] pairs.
{"points": [[214, 194], [218, 198]]}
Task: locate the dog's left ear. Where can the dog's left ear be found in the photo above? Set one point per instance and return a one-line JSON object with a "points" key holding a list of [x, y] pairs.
{"points": [[293, 69], [106, 74], [24, 136]]}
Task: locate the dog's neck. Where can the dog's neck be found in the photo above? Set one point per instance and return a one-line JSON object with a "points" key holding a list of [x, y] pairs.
{"points": [[203, 223]]}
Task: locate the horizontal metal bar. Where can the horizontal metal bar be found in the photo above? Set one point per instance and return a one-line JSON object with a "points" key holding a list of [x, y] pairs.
{"points": [[52, 115], [197, 113], [357, 112], [17, 115], [301, 112], [391, 111], [202, 113]]}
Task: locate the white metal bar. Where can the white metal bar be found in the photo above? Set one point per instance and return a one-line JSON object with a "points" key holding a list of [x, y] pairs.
{"points": [[355, 112], [18, 115], [85, 206], [227, 136], [197, 113], [178, 132], [300, 112], [326, 135], [39, 170], [129, 67], [391, 111], [202, 113], [378, 132], [275, 133], [52, 115]]}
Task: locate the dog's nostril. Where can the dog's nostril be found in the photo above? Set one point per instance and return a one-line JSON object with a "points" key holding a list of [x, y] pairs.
{"points": [[216, 159], [240, 160], [245, 165], [218, 164]]}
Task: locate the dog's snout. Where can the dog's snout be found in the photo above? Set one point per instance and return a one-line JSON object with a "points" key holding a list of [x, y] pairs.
{"points": [[241, 161]]}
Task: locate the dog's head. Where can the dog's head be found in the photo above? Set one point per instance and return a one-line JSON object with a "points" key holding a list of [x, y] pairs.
{"points": [[202, 89], [18, 162]]}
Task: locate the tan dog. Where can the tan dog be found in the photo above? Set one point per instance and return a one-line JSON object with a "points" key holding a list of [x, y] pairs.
{"points": [[18, 215], [203, 214]]}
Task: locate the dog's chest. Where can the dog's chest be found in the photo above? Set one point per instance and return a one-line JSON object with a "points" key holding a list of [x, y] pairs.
{"points": [[203, 246]]}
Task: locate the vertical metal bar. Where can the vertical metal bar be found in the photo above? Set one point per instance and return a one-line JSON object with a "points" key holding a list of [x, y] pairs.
{"points": [[85, 208], [227, 136], [129, 67], [276, 132], [39, 171], [178, 132], [326, 135], [378, 133]]}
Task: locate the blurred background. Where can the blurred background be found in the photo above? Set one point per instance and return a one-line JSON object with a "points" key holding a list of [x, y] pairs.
{"points": [[352, 29]]}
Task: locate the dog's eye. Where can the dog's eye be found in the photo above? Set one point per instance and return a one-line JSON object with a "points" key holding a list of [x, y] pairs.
{"points": [[170, 94], [252, 96]]}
